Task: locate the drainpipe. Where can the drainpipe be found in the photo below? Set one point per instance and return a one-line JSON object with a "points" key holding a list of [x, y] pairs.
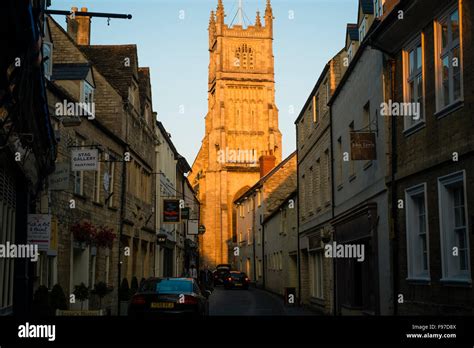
{"points": [[393, 187], [122, 211], [253, 239], [263, 253], [334, 264], [298, 253]]}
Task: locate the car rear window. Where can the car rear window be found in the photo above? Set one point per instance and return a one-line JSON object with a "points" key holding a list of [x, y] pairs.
{"points": [[166, 286]]}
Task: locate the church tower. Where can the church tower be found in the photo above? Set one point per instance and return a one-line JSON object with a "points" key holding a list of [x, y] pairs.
{"points": [[241, 126]]}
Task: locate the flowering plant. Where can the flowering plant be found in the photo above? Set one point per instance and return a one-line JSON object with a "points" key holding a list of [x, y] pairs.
{"points": [[83, 232], [104, 237]]}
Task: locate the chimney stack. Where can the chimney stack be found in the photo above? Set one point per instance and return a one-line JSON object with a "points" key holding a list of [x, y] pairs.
{"points": [[267, 163], [79, 27]]}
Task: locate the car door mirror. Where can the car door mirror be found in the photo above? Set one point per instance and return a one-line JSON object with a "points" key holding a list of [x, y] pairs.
{"points": [[207, 293]]}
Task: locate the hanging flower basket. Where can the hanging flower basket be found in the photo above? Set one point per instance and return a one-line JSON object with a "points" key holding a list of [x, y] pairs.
{"points": [[104, 237], [83, 232]]}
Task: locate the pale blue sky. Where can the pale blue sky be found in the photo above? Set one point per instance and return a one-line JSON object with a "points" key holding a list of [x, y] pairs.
{"points": [[176, 50]]}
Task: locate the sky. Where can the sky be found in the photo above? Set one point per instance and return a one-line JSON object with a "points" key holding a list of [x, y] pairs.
{"points": [[172, 39]]}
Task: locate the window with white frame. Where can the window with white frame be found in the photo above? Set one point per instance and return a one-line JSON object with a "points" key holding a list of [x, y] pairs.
{"points": [[455, 255], [349, 52], [413, 79], [339, 161], [378, 7], [417, 232], [87, 93], [317, 276], [328, 93], [362, 29], [327, 174], [48, 59], [448, 59], [317, 184]]}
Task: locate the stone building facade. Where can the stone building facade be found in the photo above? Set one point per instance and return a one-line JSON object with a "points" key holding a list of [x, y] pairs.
{"points": [[120, 193], [432, 178], [363, 284], [281, 248], [251, 210], [241, 124], [315, 187]]}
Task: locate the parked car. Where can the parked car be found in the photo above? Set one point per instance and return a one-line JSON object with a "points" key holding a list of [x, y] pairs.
{"points": [[169, 296], [236, 279], [219, 274]]}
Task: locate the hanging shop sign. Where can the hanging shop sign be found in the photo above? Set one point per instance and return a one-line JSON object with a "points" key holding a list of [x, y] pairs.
{"points": [[185, 212], [84, 159], [39, 230], [171, 211], [193, 228], [59, 179], [363, 146]]}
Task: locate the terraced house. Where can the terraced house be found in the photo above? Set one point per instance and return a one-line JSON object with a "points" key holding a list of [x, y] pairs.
{"points": [[315, 189], [118, 195], [428, 55]]}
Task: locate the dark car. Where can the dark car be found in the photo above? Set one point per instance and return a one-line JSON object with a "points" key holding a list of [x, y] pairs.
{"points": [[236, 279], [169, 296], [219, 274]]}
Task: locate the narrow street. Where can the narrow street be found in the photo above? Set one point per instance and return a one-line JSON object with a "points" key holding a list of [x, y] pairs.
{"points": [[252, 302]]}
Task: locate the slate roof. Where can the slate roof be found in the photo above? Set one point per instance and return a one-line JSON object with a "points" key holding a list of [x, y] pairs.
{"points": [[70, 71], [367, 6], [353, 32], [110, 62]]}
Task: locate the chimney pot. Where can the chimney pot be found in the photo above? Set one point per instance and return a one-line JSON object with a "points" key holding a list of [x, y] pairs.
{"points": [[79, 27], [267, 163]]}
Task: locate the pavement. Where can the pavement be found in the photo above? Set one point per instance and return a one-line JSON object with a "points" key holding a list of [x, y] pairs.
{"points": [[252, 302]]}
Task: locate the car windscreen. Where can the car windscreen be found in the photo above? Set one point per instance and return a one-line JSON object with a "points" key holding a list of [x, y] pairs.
{"points": [[166, 286], [236, 275]]}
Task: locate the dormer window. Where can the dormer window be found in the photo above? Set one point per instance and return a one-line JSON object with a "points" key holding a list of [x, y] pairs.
{"points": [[378, 7], [350, 54], [87, 93], [133, 96], [362, 29], [48, 59]]}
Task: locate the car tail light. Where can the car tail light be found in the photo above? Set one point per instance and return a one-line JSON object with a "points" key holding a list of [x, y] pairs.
{"points": [[188, 299], [230, 279], [247, 279], [138, 300]]}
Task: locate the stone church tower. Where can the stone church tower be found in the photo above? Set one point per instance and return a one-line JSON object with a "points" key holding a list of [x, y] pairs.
{"points": [[242, 140]]}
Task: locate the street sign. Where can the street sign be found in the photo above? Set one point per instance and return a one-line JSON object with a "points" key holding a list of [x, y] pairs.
{"points": [[363, 146], [59, 180], [193, 228], [39, 230], [84, 159], [202, 229], [171, 211]]}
